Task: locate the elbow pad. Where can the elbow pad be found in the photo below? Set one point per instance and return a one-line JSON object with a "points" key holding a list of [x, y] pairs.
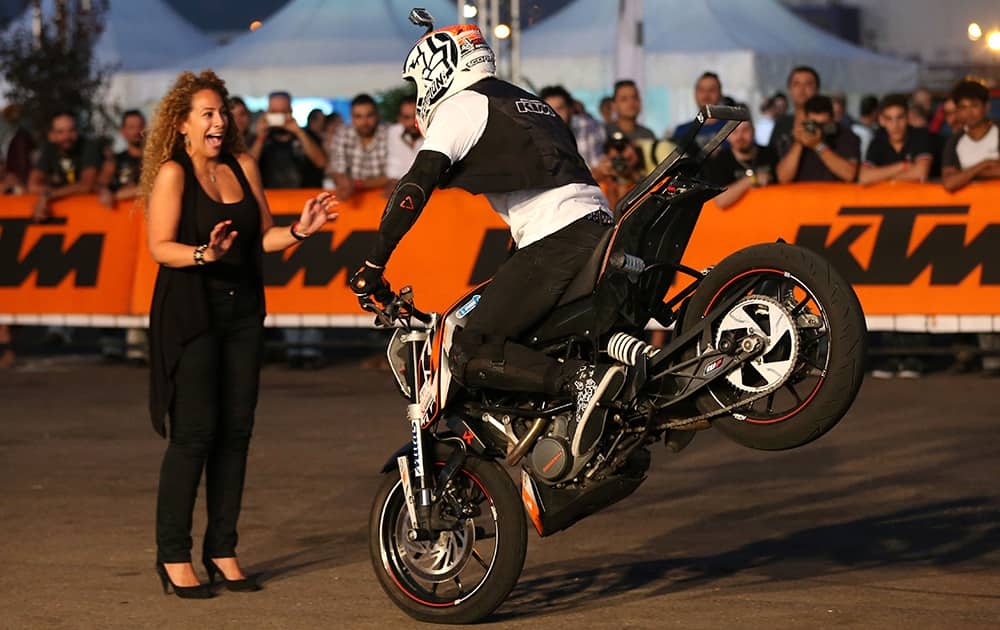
{"points": [[407, 201]]}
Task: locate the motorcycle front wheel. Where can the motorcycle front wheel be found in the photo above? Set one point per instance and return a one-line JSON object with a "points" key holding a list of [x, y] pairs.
{"points": [[465, 573], [812, 366]]}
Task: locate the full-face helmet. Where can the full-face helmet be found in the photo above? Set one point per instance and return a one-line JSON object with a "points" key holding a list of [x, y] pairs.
{"points": [[444, 62]]}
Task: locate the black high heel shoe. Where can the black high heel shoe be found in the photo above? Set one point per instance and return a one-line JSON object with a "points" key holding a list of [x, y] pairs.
{"points": [[246, 585], [186, 592]]}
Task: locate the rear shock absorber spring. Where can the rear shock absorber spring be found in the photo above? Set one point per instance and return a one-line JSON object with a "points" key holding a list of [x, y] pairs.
{"points": [[627, 349]]}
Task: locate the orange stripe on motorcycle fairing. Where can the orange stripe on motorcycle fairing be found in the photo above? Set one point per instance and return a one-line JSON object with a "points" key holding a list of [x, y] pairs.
{"points": [[531, 507], [436, 357]]}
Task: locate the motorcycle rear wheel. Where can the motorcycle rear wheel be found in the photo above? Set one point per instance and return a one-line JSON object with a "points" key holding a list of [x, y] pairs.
{"points": [[463, 575], [820, 316]]}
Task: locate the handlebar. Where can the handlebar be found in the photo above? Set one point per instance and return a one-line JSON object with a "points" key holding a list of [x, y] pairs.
{"points": [[397, 312]]}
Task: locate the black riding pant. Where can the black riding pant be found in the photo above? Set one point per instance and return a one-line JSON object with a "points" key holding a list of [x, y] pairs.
{"points": [[524, 290], [211, 422]]}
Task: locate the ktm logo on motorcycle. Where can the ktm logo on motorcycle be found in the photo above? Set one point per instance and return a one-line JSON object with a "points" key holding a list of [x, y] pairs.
{"points": [[407, 203]]}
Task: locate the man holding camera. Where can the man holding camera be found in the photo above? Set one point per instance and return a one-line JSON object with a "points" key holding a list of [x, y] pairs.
{"points": [[285, 152], [620, 168], [821, 150], [742, 165]]}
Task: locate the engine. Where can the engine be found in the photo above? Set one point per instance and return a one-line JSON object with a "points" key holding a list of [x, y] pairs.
{"points": [[551, 460]]}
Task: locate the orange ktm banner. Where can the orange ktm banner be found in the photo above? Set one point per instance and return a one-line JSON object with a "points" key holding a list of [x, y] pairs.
{"points": [[920, 258], [457, 244], [908, 249], [81, 262]]}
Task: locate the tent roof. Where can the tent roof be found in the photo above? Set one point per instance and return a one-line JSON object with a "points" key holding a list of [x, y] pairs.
{"points": [[138, 34], [762, 27], [319, 32]]}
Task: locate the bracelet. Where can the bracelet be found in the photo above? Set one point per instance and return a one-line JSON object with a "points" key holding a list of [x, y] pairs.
{"points": [[297, 236], [820, 148], [199, 254]]}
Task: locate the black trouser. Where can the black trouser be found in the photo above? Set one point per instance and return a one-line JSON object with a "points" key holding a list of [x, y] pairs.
{"points": [[524, 290], [211, 422]]}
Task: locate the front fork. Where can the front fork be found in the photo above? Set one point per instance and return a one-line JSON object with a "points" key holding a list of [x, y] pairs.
{"points": [[416, 487]]}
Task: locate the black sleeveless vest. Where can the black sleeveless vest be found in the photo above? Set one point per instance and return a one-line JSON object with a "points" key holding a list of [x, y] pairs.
{"points": [[180, 312], [525, 146]]}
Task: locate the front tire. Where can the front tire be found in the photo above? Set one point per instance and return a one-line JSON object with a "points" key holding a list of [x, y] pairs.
{"points": [[464, 574], [814, 388]]}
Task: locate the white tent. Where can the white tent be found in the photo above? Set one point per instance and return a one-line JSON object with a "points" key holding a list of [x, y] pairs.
{"points": [[138, 34], [751, 44], [309, 48]]}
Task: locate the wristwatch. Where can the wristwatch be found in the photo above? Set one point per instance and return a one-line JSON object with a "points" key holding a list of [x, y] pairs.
{"points": [[820, 148]]}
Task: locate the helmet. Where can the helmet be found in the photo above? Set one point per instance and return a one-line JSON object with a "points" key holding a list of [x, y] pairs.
{"points": [[445, 62]]}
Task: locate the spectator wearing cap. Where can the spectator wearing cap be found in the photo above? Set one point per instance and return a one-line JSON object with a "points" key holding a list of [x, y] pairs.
{"points": [[287, 155], [821, 150], [588, 132], [707, 91], [627, 105], [741, 165], [803, 83], [898, 152], [360, 152], [974, 152], [67, 165]]}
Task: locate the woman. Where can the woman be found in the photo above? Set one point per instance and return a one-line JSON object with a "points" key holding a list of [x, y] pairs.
{"points": [[209, 225]]}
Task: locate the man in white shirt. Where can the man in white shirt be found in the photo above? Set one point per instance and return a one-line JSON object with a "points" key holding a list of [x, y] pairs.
{"points": [[489, 137], [404, 141], [972, 153]]}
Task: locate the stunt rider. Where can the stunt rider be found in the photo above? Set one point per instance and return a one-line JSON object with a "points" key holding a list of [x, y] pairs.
{"points": [[487, 136]]}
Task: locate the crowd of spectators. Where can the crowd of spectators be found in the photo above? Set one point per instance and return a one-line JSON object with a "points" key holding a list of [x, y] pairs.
{"points": [[806, 136]]}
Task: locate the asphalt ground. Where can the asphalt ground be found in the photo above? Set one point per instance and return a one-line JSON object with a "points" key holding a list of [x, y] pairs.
{"points": [[890, 521]]}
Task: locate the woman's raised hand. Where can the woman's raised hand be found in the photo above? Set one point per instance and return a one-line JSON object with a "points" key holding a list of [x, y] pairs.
{"points": [[317, 212], [220, 241]]}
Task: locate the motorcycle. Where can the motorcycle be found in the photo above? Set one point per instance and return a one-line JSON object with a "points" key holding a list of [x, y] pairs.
{"points": [[767, 347]]}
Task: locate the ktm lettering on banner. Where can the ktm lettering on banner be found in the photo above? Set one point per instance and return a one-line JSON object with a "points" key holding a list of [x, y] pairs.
{"points": [[82, 261], [907, 249]]}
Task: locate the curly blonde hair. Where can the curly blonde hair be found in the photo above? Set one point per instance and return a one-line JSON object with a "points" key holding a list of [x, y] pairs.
{"points": [[163, 138]]}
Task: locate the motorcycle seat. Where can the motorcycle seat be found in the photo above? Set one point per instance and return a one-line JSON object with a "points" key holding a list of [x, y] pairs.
{"points": [[585, 281]]}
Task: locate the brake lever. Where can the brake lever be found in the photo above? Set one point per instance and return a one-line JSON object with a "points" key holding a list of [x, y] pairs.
{"points": [[382, 319]]}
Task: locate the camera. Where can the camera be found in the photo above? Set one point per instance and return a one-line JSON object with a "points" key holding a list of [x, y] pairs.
{"points": [[275, 119], [811, 127]]}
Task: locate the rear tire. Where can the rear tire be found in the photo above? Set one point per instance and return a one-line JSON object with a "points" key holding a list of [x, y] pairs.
{"points": [[421, 583], [798, 276]]}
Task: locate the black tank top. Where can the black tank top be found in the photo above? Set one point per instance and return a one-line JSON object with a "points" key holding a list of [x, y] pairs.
{"points": [[238, 268]]}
